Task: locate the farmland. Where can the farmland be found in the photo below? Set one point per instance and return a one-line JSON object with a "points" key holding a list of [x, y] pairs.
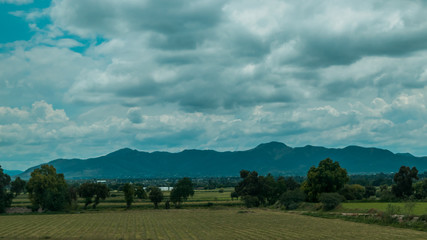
{"points": [[228, 223], [420, 208]]}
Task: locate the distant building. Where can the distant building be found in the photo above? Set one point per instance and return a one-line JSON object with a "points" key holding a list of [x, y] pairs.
{"points": [[101, 181]]}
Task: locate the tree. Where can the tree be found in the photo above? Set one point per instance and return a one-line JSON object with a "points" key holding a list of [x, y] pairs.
{"points": [[352, 192], [129, 191], [140, 192], [47, 189], [292, 198], [182, 190], [90, 190], [5, 197], [330, 200], [326, 178], [250, 189], [369, 191], [420, 189], [403, 180], [155, 196], [18, 186]]}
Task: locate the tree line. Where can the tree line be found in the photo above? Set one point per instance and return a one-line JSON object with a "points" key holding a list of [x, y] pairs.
{"points": [[48, 191], [326, 183]]}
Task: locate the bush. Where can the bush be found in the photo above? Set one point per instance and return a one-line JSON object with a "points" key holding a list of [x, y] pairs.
{"points": [[352, 192], [330, 200], [251, 201], [291, 199]]}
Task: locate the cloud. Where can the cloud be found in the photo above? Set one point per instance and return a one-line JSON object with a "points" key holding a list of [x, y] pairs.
{"points": [[168, 75], [17, 2]]}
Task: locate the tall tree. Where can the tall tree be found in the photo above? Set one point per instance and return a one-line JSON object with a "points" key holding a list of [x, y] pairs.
{"points": [[250, 189], [89, 190], [326, 178], [140, 192], [155, 195], [5, 197], [182, 190], [403, 180], [129, 191], [18, 186], [47, 189]]}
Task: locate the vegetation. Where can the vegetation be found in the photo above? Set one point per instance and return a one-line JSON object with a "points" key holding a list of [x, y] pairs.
{"points": [[18, 186], [89, 190], [47, 189], [155, 196], [182, 190], [228, 223], [330, 200], [129, 191], [140, 192], [403, 180], [5, 197], [328, 177]]}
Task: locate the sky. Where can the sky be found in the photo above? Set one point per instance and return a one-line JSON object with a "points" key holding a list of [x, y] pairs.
{"points": [[82, 78]]}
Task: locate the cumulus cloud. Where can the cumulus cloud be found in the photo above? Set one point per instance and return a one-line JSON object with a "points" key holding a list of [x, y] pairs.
{"points": [[167, 75]]}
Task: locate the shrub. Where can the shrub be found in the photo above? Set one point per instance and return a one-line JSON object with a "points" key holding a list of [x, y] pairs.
{"points": [[330, 200], [291, 199]]}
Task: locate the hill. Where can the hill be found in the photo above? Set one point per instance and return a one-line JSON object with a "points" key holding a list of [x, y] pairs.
{"points": [[274, 157], [12, 172]]}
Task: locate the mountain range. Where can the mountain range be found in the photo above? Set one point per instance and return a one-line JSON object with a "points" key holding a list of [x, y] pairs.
{"points": [[274, 157]]}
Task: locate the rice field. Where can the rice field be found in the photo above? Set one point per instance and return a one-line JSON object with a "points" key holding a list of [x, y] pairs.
{"points": [[230, 223]]}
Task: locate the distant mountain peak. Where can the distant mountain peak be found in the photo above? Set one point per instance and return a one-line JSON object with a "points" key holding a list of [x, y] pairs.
{"points": [[272, 145]]}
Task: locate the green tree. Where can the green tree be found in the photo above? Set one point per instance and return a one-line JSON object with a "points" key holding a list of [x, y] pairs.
{"points": [[47, 189], [18, 186], [129, 191], [420, 189], [330, 200], [5, 197], [140, 192], [250, 189], [181, 191], [292, 198], [403, 180], [369, 191], [352, 192], [155, 196], [326, 178], [89, 190]]}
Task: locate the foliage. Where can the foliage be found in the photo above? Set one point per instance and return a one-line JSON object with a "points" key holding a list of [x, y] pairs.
{"points": [[18, 186], [155, 196], [250, 189], [89, 190], [328, 177], [257, 190], [330, 200], [403, 180], [369, 191], [352, 192], [140, 192], [292, 198], [129, 191], [234, 195], [5, 197], [47, 189], [182, 190], [420, 189]]}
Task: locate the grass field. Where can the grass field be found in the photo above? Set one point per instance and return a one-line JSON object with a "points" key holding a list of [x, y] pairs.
{"points": [[116, 200], [420, 208], [230, 223]]}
